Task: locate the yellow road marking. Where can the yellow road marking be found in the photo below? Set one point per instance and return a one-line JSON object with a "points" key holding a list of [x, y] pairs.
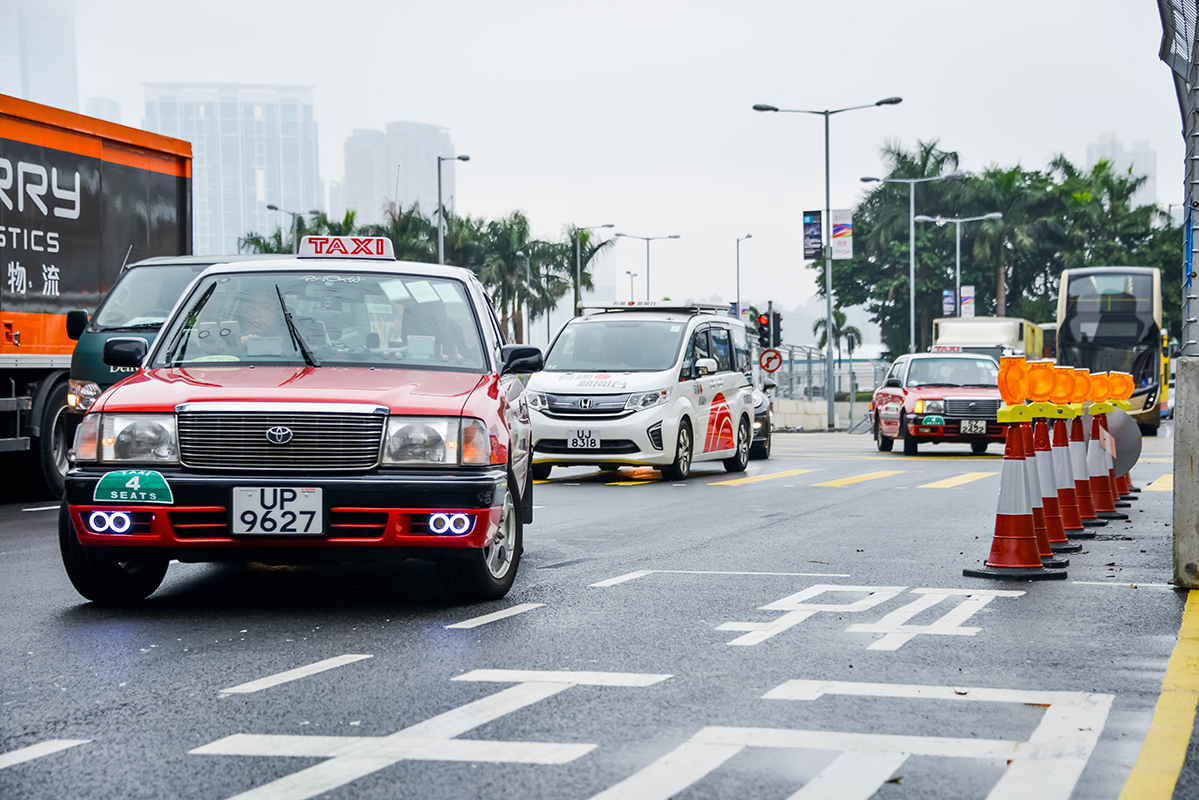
{"points": [[1163, 484], [756, 478], [869, 476], [957, 480], [1163, 753], [631, 483]]}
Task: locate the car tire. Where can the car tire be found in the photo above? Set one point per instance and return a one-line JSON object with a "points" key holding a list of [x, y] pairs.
{"points": [[680, 468], [885, 443], [761, 450], [978, 448], [741, 458], [102, 578], [541, 472], [487, 573], [909, 441]]}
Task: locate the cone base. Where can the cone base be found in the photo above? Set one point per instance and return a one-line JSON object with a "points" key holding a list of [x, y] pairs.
{"points": [[1134, 489], [1053, 562], [1083, 534], [1122, 504], [1065, 547], [1092, 522], [1128, 497], [1015, 573], [1112, 515]]}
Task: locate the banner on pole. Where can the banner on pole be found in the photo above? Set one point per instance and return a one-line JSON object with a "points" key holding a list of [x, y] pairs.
{"points": [[947, 303], [813, 236], [843, 233], [967, 301]]}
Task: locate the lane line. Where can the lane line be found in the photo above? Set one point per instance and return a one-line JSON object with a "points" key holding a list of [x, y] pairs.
{"points": [[293, 674], [641, 573], [521, 676], [1127, 584], [1163, 484], [492, 617], [632, 483], [869, 476], [1163, 753], [42, 508], [756, 478], [958, 480], [38, 750]]}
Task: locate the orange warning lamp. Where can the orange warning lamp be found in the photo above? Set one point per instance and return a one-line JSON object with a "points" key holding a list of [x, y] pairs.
{"points": [[1082, 385], [1063, 387], [1013, 379], [1101, 388], [1122, 385], [1041, 380]]}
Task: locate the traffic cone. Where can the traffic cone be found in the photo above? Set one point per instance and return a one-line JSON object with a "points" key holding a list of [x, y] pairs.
{"points": [[1054, 527], [1014, 551], [1082, 482], [1101, 487], [1124, 487], [1067, 495], [1033, 475], [1117, 501]]}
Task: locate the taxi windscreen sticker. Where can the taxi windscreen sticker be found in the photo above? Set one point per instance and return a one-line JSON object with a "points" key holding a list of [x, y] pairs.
{"points": [[133, 486]]}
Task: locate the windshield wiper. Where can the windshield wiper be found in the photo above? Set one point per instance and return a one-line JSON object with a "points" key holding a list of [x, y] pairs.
{"points": [[138, 327], [297, 339], [188, 323], [985, 385]]}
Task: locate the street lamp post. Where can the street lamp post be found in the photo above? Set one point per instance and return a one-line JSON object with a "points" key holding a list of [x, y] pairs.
{"points": [[957, 222], [579, 261], [631, 275], [647, 240], [911, 182], [739, 241], [440, 207], [528, 311], [295, 225], [828, 232]]}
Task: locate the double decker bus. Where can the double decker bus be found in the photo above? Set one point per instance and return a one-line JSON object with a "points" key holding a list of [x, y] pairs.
{"points": [[1110, 318]]}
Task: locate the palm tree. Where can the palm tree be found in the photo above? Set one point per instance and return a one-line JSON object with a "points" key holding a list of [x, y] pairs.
{"points": [[840, 331], [412, 236], [503, 272]]}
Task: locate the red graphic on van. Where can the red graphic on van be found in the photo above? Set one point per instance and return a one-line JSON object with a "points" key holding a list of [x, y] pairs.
{"points": [[720, 426]]}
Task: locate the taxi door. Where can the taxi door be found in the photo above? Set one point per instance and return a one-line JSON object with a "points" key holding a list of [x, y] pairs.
{"points": [[698, 388], [890, 399]]}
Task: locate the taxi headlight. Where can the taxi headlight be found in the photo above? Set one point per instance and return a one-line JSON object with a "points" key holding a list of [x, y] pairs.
{"points": [[139, 437], [421, 440], [929, 407], [639, 401], [87, 439], [538, 401], [81, 394]]}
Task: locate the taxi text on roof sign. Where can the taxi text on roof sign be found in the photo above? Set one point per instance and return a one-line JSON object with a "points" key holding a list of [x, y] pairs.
{"points": [[375, 248]]}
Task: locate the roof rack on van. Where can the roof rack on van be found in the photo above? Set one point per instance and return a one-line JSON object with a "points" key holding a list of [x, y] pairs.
{"points": [[654, 305]]}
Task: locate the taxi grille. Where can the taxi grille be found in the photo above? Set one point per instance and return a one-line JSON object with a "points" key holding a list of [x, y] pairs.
{"points": [[960, 407], [321, 442]]}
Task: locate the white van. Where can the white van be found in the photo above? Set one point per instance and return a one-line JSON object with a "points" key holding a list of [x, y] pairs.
{"points": [[653, 384]]}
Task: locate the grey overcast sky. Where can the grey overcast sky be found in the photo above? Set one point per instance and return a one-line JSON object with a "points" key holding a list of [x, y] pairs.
{"points": [[637, 112]]}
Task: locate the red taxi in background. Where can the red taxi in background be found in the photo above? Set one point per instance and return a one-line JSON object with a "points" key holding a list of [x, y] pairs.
{"points": [[337, 406], [938, 397]]}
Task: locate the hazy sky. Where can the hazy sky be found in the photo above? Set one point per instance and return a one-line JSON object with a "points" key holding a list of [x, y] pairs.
{"points": [[638, 113]]}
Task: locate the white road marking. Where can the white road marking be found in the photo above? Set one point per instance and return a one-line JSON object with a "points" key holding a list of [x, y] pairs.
{"points": [[537, 507], [293, 674], [353, 757], [492, 617], [798, 610], [898, 633], [1126, 584], [38, 750], [1047, 766], [42, 508], [641, 573]]}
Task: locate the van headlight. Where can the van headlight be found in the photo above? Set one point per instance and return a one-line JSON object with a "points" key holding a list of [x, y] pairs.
{"points": [[639, 401], [81, 394], [538, 401], [138, 437]]}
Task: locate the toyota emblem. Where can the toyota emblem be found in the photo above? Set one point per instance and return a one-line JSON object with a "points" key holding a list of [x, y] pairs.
{"points": [[278, 434], [585, 403], [974, 406]]}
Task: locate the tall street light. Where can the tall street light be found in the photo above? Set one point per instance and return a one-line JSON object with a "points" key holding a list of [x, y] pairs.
{"points": [[739, 241], [579, 260], [911, 182], [631, 275], [647, 240], [528, 282], [295, 226], [957, 223], [441, 208], [828, 232]]}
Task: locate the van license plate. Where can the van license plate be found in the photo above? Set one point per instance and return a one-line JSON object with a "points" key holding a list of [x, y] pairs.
{"points": [[974, 426], [277, 511], [583, 440]]}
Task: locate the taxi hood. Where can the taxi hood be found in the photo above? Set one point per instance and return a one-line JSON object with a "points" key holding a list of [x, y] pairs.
{"points": [[404, 391], [601, 382]]}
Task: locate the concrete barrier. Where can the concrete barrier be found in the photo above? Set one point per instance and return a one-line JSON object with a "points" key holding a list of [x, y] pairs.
{"points": [[1186, 450]]}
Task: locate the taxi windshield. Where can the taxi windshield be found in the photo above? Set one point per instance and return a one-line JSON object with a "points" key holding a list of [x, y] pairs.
{"points": [[616, 345], [953, 372], [340, 319], [144, 296]]}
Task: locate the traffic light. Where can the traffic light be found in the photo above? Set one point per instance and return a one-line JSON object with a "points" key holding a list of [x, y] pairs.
{"points": [[776, 329], [763, 331]]}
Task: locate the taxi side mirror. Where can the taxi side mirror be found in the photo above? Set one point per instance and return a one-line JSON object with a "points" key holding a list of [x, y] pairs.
{"points": [[520, 358], [125, 352], [705, 366], [893, 383], [76, 322]]}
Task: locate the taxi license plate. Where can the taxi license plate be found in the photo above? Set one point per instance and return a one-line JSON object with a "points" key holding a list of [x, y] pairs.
{"points": [[277, 511], [974, 426], [583, 440]]}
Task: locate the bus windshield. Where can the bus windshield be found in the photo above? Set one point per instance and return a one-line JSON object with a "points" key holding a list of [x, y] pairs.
{"points": [[1109, 324]]}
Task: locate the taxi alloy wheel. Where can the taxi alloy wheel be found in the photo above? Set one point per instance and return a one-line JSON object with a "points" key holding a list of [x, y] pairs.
{"points": [[487, 573], [738, 462], [884, 442], [102, 578], [680, 470]]}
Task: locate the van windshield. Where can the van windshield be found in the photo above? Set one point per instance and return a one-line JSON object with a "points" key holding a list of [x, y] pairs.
{"points": [[143, 296], [616, 345]]}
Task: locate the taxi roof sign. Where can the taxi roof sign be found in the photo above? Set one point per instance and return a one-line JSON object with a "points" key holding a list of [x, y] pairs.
{"points": [[372, 248]]}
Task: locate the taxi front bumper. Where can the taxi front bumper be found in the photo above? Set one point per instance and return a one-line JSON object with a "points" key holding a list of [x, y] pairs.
{"points": [[950, 430], [639, 438], [361, 515]]}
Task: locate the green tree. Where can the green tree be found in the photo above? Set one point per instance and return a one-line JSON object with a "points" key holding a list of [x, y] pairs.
{"points": [[840, 331]]}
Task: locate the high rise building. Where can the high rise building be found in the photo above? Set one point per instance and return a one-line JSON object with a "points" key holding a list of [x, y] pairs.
{"points": [[252, 146], [366, 188], [1140, 159], [37, 52], [412, 149], [103, 108]]}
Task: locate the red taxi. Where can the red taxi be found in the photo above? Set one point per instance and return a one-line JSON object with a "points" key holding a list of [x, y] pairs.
{"points": [[338, 406], [938, 397]]}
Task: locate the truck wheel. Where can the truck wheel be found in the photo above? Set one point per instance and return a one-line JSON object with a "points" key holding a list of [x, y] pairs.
{"points": [[739, 460], [541, 472], [55, 440], [101, 578], [487, 573], [884, 442], [680, 470], [909, 441]]}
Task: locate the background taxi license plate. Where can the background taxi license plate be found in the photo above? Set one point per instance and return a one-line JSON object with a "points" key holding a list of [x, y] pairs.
{"points": [[974, 426], [583, 440], [277, 511]]}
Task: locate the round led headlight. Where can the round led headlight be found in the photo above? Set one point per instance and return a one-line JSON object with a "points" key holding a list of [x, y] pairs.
{"points": [[439, 523], [459, 523]]}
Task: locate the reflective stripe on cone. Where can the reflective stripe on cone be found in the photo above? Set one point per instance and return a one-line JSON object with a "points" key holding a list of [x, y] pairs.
{"points": [[1082, 481], [1067, 495], [1032, 473], [1054, 528]]}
